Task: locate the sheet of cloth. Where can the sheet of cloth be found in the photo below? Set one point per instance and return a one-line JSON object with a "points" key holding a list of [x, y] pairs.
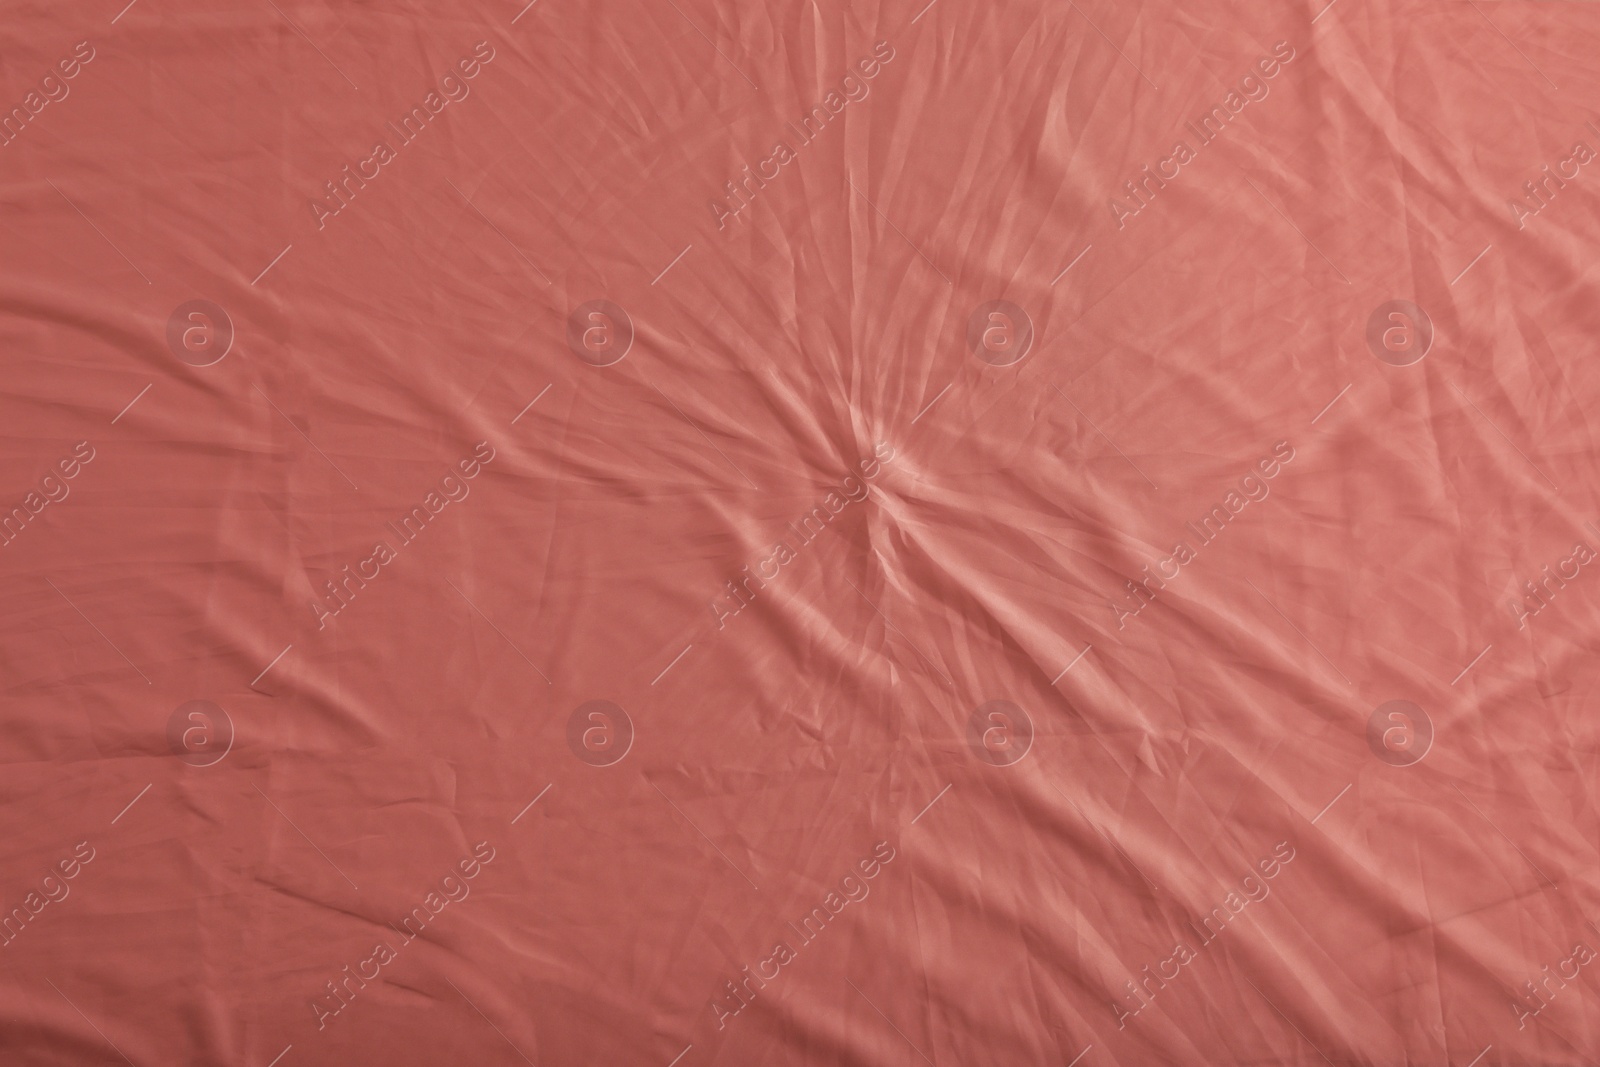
{"points": [[689, 532]]}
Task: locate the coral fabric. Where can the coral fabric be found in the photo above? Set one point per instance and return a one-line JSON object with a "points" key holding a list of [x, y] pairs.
{"points": [[688, 532]]}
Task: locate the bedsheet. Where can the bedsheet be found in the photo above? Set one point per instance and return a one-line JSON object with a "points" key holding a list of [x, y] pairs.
{"points": [[888, 532]]}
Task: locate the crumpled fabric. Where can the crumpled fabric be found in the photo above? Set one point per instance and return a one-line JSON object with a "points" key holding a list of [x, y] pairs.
{"points": [[703, 533]]}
